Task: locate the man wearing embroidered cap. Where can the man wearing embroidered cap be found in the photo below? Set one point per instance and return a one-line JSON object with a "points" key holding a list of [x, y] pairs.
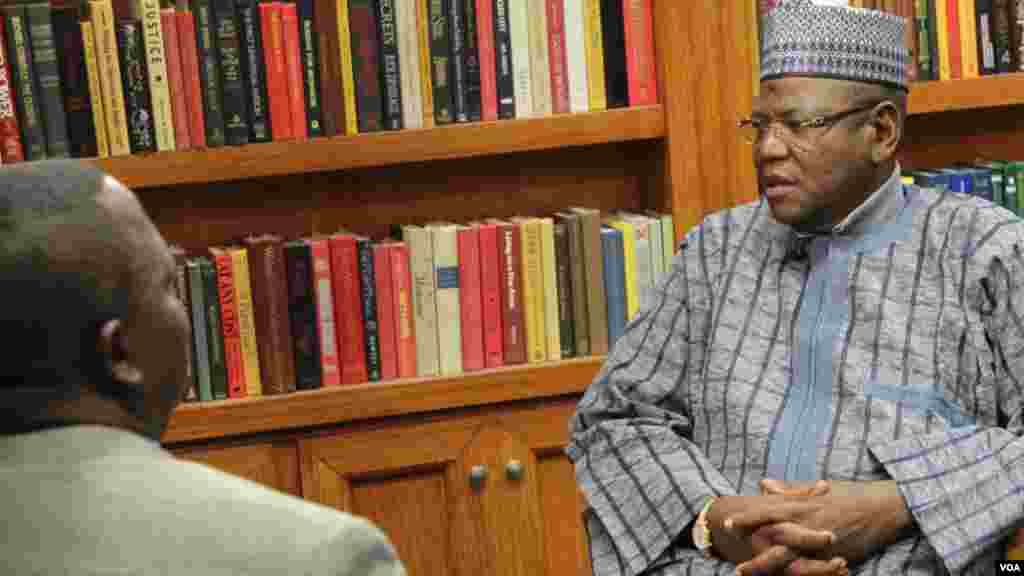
{"points": [[829, 379]]}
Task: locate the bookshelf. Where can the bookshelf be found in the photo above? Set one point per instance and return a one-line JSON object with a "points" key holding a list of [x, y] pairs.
{"points": [[966, 94]]}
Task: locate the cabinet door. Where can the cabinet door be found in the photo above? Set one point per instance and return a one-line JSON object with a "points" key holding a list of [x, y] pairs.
{"points": [[418, 482], [275, 465]]}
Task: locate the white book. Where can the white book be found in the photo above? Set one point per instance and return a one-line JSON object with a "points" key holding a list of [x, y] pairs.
{"points": [[540, 64], [409, 64], [446, 276], [668, 239], [552, 327], [156, 68], [519, 25], [657, 254], [576, 56], [424, 305], [642, 256]]}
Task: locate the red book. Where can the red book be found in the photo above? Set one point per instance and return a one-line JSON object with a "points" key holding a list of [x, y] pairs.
{"points": [[405, 333], [330, 371], [386, 325], [277, 77], [348, 308], [470, 306], [175, 79], [488, 70], [293, 68], [556, 54], [190, 74], [10, 135], [640, 65], [490, 293], [953, 23], [512, 319], [229, 323]]}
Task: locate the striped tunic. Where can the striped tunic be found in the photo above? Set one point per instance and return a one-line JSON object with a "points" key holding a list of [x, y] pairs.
{"points": [[890, 348]]}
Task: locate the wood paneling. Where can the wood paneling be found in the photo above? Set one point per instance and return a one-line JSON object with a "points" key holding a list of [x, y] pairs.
{"points": [[275, 465], [231, 163], [966, 94], [940, 140]]}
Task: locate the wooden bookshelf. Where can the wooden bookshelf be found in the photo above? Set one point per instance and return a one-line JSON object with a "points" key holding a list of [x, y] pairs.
{"points": [[224, 418], [386, 148], [966, 94]]}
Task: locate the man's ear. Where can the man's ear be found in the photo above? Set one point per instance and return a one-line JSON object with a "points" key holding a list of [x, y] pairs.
{"points": [[888, 131], [117, 357]]}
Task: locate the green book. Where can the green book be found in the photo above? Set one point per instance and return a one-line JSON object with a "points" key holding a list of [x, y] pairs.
{"points": [[1013, 177], [998, 180], [200, 334], [215, 337]]}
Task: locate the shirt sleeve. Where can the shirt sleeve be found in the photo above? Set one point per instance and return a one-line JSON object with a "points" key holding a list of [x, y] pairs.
{"points": [[643, 478], [965, 486]]}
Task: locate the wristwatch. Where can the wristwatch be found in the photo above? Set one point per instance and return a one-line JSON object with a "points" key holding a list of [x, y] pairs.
{"points": [[701, 530]]}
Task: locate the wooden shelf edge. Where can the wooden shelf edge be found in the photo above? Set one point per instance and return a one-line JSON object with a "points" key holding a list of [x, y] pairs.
{"points": [[385, 148], [210, 420], [966, 94]]}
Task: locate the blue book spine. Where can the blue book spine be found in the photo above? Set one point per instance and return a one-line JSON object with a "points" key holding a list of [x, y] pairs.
{"points": [[960, 180], [614, 282]]}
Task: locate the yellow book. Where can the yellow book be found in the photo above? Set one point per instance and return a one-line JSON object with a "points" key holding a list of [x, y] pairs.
{"points": [[533, 289], [629, 255], [348, 87], [246, 322], [552, 328], [594, 48], [968, 40], [540, 64], [907, 179], [942, 39], [102, 15], [426, 84], [92, 75]]}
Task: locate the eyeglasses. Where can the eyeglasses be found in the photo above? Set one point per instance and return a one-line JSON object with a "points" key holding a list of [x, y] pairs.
{"points": [[797, 133]]}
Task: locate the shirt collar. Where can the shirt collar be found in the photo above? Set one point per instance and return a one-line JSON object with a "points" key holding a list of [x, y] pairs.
{"points": [[880, 207]]}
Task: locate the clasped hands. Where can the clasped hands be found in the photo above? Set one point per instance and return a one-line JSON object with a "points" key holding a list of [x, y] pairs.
{"points": [[807, 529]]}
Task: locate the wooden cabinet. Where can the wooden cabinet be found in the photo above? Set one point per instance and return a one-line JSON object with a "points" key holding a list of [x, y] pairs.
{"points": [[485, 491], [273, 464]]}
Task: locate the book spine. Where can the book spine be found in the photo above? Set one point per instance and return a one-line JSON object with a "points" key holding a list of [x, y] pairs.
{"points": [[200, 331], [614, 282], [188, 45], [405, 330], [141, 134], [986, 48], [953, 32], [409, 64], [230, 324], [457, 61], [309, 45], [557, 59], [968, 38], [519, 29], [110, 76], [330, 369], [921, 28], [215, 338], [552, 329], [441, 62], [366, 65], [563, 280], [368, 301], [302, 315], [390, 67], [1017, 27], [471, 59], [449, 325], [504, 74], [209, 73], [580, 314], [423, 27], [175, 80], [532, 287], [421, 264], [384, 286], [273, 54], [470, 304], [576, 56], [247, 323], [267, 267], [293, 69], [639, 42], [326, 38], [10, 135], [1000, 34], [491, 283], [540, 58], [615, 71], [233, 89], [347, 67], [27, 105], [348, 309], [46, 72], [590, 226], [74, 82], [156, 68], [486, 39], [513, 338], [181, 287]]}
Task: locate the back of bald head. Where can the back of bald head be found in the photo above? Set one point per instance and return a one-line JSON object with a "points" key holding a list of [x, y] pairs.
{"points": [[63, 253]]}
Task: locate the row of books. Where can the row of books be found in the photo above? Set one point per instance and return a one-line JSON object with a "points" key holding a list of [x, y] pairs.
{"points": [[954, 39], [113, 77], [999, 181], [272, 316]]}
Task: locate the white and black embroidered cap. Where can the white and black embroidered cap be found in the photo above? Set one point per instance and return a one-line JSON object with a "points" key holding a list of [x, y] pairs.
{"points": [[816, 38]]}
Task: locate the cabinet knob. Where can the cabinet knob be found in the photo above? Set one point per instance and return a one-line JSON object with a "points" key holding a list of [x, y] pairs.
{"points": [[514, 470], [477, 475]]}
